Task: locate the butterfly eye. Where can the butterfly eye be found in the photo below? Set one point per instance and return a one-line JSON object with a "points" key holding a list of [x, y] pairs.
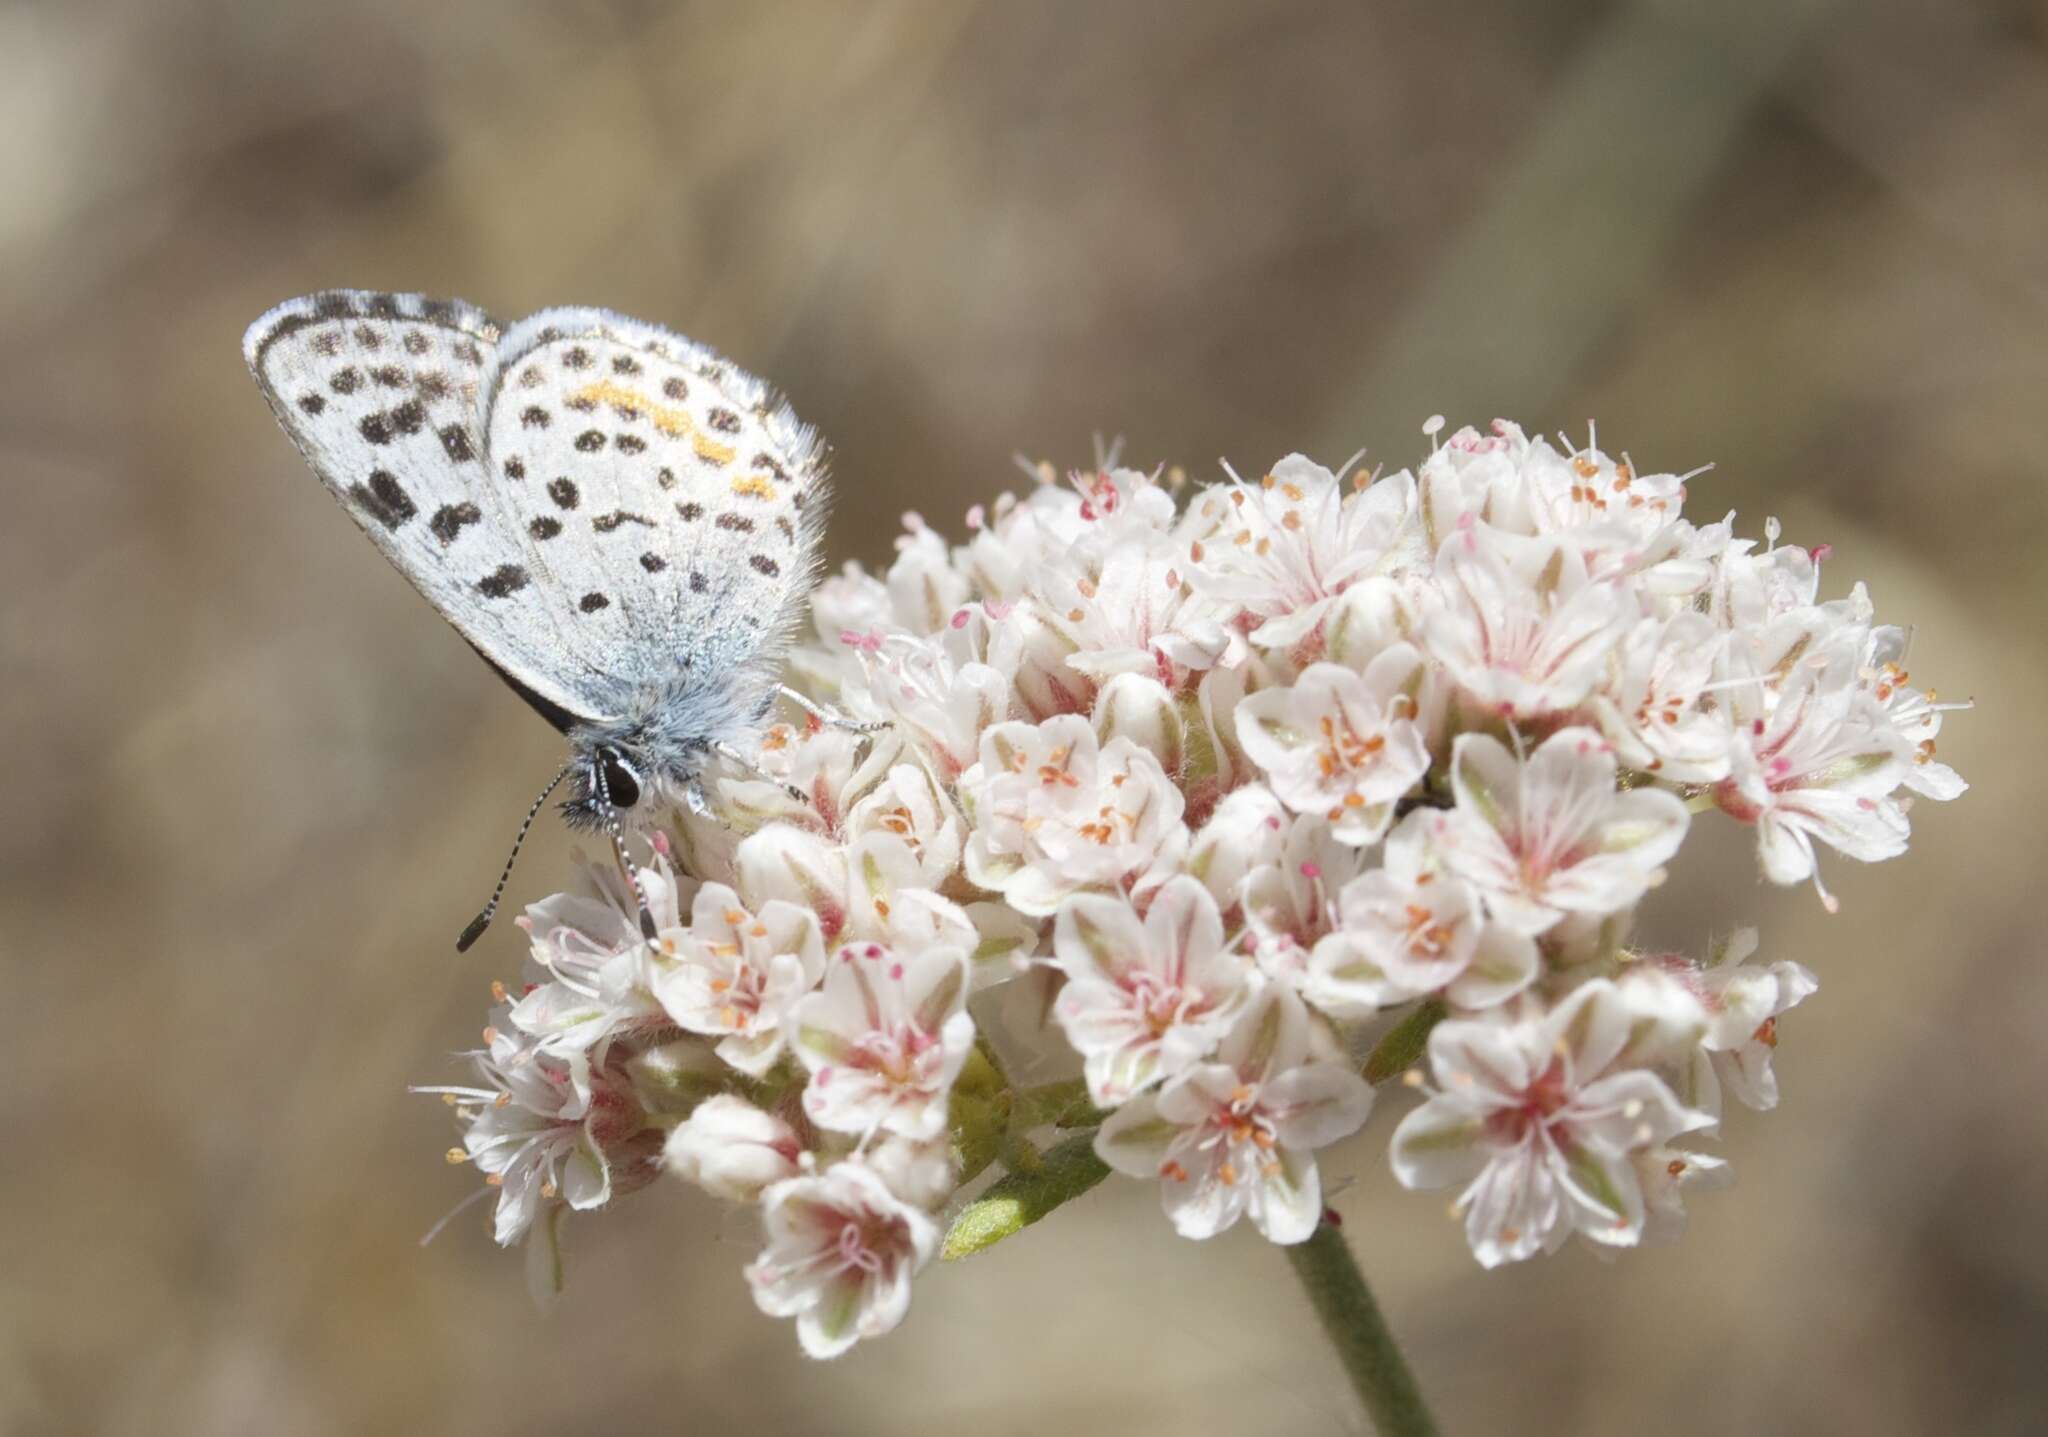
{"points": [[621, 784]]}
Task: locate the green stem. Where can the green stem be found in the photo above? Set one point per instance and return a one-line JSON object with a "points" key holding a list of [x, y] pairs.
{"points": [[1351, 1319]]}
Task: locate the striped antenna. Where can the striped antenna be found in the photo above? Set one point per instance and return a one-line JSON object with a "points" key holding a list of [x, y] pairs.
{"points": [[478, 924]]}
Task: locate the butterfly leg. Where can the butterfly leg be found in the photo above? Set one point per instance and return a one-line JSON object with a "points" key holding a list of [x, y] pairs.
{"points": [[827, 716], [740, 761]]}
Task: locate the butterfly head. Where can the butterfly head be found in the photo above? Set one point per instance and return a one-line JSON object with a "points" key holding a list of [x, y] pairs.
{"points": [[606, 776]]}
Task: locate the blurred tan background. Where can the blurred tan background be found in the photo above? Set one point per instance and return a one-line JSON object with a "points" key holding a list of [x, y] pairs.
{"points": [[256, 787]]}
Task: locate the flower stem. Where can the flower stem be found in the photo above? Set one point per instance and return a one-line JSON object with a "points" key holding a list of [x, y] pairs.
{"points": [[1329, 1275]]}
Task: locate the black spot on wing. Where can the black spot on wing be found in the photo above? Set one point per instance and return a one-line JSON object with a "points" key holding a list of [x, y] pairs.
{"points": [[450, 519], [534, 417], [666, 478], [433, 384], [545, 527], [408, 417], [629, 443], [625, 364], [697, 583], [389, 376], [384, 499], [590, 441], [691, 512], [327, 343], [368, 338], [376, 427], [675, 388], [765, 565], [455, 439], [653, 563], [312, 403], [505, 580], [591, 602], [576, 357], [515, 468], [723, 420], [415, 342], [738, 523], [605, 523], [346, 380], [563, 492]]}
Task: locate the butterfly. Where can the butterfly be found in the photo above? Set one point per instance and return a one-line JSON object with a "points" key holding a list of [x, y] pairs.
{"points": [[625, 525]]}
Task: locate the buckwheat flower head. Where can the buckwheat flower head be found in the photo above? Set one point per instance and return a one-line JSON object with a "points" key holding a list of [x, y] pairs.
{"points": [[1148, 827]]}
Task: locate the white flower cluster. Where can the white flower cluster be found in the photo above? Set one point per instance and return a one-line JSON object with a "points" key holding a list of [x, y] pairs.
{"points": [[1248, 785]]}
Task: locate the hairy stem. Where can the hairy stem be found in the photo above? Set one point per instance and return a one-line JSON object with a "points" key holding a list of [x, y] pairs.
{"points": [[1329, 1275]]}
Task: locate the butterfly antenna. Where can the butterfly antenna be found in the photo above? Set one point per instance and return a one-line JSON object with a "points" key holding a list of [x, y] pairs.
{"points": [[478, 924], [618, 836]]}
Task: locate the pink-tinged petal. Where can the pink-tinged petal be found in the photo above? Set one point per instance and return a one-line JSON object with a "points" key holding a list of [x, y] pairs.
{"points": [[1606, 1199], [1784, 850], [1592, 1026], [1630, 1109], [1134, 1139], [1515, 1208], [1182, 927], [1869, 829], [1288, 1201], [586, 1177], [1271, 1037], [1503, 963], [1438, 1144], [1202, 1191], [1484, 1062], [1314, 1105]]}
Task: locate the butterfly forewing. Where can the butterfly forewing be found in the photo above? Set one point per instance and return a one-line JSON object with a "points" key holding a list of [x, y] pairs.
{"points": [[385, 395], [667, 505]]}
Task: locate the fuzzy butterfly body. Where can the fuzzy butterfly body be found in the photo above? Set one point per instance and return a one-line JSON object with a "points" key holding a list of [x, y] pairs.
{"points": [[621, 522]]}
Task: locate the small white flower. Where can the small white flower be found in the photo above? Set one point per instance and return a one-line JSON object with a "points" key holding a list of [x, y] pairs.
{"points": [[1525, 632], [1552, 836], [1340, 743], [732, 1149], [841, 1252], [540, 1134], [1409, 928], [1538, 1115], [736, 975], [1650, 708], [1237, 1137], [1145, 1000], [1121, 600], [1052, 814], [1812, 759], [1289, 903], [942, 701], [1285, 548], [1744, 1002], [913, 806], [883, 1037], [588, 946]]}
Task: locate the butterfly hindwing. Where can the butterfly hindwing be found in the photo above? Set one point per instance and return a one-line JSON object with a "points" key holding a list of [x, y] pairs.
{"points": [[385, 396], [669, 506]]}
